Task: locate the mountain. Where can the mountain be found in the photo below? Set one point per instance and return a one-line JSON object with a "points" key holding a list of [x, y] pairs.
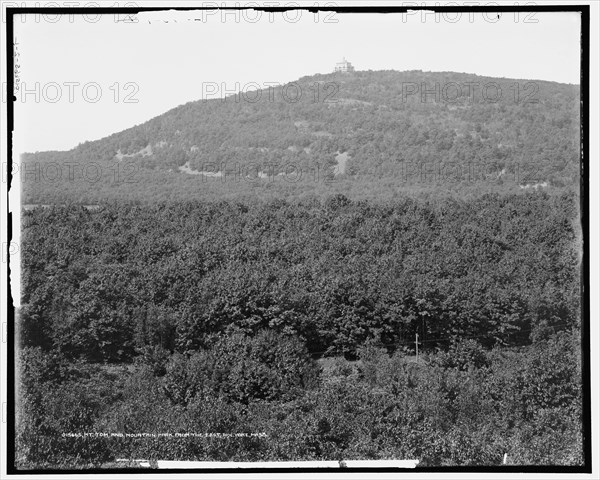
{"points": [[364, 134]]}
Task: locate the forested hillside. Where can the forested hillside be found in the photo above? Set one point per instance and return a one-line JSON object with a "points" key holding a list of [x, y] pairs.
{"points": [[337, 133]]}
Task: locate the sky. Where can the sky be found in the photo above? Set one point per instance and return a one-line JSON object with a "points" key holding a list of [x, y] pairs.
{"points": [[83, 78]]}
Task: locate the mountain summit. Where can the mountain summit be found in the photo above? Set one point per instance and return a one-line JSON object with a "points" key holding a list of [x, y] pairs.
{"points": [[363, 133]]}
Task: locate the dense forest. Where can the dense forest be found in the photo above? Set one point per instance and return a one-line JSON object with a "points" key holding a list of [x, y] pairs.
{"points": [[334, 273], [292, 324], [365, 135]]}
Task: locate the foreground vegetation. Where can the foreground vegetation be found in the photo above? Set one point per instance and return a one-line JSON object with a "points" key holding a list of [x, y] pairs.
{"points": [[289, 328], [466, 406]]}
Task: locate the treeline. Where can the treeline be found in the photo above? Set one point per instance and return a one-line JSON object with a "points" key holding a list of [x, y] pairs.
{"points": [[110, 284]]}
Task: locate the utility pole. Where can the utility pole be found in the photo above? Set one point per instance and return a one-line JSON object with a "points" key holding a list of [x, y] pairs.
{"points": [[417, 345]]}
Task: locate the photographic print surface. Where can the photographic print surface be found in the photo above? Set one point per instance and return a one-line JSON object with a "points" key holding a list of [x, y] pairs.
{"points": [[298, 237]]}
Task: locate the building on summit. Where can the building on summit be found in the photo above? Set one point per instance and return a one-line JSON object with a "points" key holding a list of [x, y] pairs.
{"points": [[344, 66]]}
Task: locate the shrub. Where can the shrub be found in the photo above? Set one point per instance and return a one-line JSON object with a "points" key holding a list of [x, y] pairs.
{"points": [[52, 403], [463, 355], [241, 368]]}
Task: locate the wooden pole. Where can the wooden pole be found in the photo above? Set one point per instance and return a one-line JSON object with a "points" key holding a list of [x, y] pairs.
{"points": [[417, 345]]}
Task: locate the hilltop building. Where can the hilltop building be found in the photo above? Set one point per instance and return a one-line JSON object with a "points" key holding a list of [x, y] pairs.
{"points": [[344, 66]]}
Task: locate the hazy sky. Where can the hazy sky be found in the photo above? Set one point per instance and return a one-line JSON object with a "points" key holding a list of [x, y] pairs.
{"points": [[90, 77]]}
